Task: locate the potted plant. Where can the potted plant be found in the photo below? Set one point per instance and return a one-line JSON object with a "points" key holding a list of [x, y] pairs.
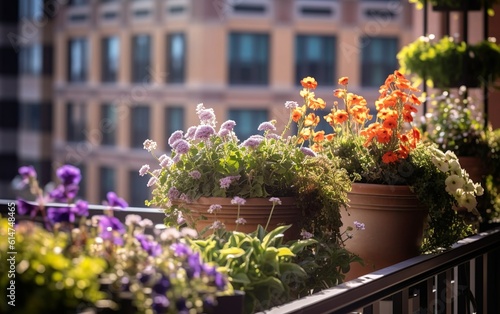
{"points": [[211, 179], [72, 262], [448, 63], [408, 176]]}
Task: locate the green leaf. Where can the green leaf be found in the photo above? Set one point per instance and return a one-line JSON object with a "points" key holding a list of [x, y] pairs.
{"points": [[240, 278], [298, 246], [232, 252], [284, 251], [273, 234]]}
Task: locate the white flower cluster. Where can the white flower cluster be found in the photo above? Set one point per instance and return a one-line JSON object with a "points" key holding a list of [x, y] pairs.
{"points": [[458, 183]]}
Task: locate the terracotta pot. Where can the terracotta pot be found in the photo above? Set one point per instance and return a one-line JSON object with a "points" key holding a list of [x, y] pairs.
{"points": [[255, 211], [394, 226]]}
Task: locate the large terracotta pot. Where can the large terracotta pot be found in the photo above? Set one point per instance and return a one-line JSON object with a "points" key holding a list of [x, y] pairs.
{"points": [[255, 211], [394, 226]]}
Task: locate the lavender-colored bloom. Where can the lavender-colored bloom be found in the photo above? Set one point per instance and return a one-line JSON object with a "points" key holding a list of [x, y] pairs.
{"points": [[64, 193], [203, 132], [291, 104], [180, 218], [181, 249], [160, 304], [156, 172], [132, 219], [177, 135], [182, 147], [214, 208], [25, 208], [68, 214], [173, 193], [166, 162], [190, 133], [266, 126], [151, 247], [149, 145], [273, 136], [225, 182], [144, 169], [195, 174], [359, 225], [224, 132], [115, 201], [306, 235], [69, 175], [238, 201], [152, 181], [275, 200], [26, 173], [217, 225], [162, 285], [240, 221], [195, 264], [206, 116], [307, 151], [228, 125], [111, 229], [253, 141]]}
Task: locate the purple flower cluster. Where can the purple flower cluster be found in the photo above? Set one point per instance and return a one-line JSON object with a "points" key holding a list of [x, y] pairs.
{"points": [[266, 126], [177, 135], [291, 104], [307, 151], [110, 228], [253, 141], [27, 173], [227, 181], [195, 174], [182, 146], [114, 201], [204, 132], [359, 225], [152, 247], [238, 201], [214, 208], [68, 213]]}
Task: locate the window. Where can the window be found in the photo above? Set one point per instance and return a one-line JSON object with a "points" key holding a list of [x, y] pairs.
{"points": [[109, 58], [77, 60], [31, 9], [174, 120], [108, 124], [139, 126], [246, 121], [30, 59], [248, 58], [315, 56], [141, 58], [75, 122], [138, 190], [106, 181], [378, 59], [78, 2], [176, 62], [36, 117]]}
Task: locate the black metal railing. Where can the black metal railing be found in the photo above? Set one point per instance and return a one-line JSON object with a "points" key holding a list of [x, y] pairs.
{"points": [[464, 279]]}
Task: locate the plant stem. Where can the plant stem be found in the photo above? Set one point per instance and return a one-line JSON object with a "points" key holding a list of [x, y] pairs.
{"points": [[270, 215]]}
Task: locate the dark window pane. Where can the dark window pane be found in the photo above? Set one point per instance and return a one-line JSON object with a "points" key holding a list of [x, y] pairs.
{"points": [[75, 122], [141, 58], [247, 121], [77, 60], [108, 124], [248, 58], [106, 181], [140, 126], [174, 120], [176, 62], [378, 59], [110, 58], [138, 190], [315, 56]]}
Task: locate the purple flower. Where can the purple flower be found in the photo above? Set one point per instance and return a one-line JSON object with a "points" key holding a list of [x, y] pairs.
{"points": [[68, 214], [272, 136], [111, 229], [266, 126], [240, 221], [149, 145], [162, 285], [166, 162], [180, 249], [152, 181], [225, 182], [306, 235], [151, 247], [160, 304], [223, 132], [206, 116], [307, 151], [182, 147], [253, 141], [291, 104], [359, 225], [25, 208], [195, 174], [217, 225], [144, 169], [238, 201], [203, 132], [115, 201], [275, 200], [64, 193], [69, 175], [173, 193], [190, 133], [177, 135], [228, 125], [26, 173], [214, 208], [195, 264]]}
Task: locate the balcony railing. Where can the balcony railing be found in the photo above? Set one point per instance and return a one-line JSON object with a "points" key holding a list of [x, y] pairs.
{"points": [[464, 279]]}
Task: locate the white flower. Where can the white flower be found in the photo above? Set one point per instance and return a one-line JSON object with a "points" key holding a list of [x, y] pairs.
{"points": [[453, 183], [132, 219], [479, 189], [449, 155], [149, 145], [152, 181], [467, 200], [442, 165], [455, 167]]}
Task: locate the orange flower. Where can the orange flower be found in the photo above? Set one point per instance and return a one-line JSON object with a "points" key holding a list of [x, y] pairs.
{"points": [[415, 100], [296, 115], [383, 135], [317, 103], [311, 120], [309, 82], [343, 80], [340, 116], [316, 147], [339, 93], [330, 137], [390, 123], [389, 157], [410, 108], [403, 152], [318, 136], [304, 134], [306, 94], [360, 114]]}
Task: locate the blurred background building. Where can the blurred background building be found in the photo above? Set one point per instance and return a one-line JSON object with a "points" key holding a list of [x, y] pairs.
{"points": [[85, 82]]}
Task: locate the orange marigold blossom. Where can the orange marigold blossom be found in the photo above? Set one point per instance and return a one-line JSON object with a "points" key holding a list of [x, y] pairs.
{"points": [[390, 123], [330, 137], [306, 93], [318, 136], [296, 115], [343, 80], [311, 120], [316, 103], [316, 147], [309, 82], [389, 157], [340, 117]]}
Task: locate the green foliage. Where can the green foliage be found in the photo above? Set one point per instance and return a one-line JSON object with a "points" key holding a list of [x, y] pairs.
{"points": [[456, 4], [446, 62]]}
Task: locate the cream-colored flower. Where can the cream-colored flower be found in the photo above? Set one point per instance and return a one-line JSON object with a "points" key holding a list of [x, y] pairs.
{"points": [[449, 155], [453, 183], [441, 164], [455, 166], [467, 200], [479, 189]]}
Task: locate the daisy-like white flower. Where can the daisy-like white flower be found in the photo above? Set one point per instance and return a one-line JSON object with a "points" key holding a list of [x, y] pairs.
{"points": [[453, 183], [441, 164], [467, 200]]}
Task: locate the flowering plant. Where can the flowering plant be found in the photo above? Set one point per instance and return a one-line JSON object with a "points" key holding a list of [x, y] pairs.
{"points": [[390, 151], [74, 262], [210, 163]]}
